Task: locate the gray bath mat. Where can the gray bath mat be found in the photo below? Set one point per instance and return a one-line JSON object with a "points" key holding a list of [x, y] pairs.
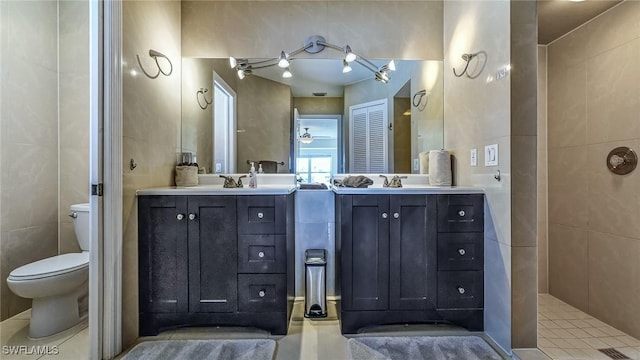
{"points": [[262, 349], [421, 347]]}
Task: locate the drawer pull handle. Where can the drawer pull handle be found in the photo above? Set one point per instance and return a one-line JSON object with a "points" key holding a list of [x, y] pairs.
{"points": [[461, 213], [261, 254], [262, 293], [192, 216], [461, 290], [180, 217], [260, 215], [384, 215], [462, 251], [396, 215]]}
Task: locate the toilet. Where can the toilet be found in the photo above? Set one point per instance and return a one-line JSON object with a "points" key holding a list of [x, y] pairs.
{"points": [[58, 285]]}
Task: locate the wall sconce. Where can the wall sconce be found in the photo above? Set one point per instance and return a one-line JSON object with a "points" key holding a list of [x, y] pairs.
{"points": [[312, 45], [201, 94]]}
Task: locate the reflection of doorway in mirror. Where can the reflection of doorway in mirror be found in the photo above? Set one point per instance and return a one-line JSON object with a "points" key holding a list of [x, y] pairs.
{"points": [[224, 126], [317, 160], [402, 130]]}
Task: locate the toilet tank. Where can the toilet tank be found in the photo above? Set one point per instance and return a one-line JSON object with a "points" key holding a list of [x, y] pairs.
{"points": [[81, 224]]}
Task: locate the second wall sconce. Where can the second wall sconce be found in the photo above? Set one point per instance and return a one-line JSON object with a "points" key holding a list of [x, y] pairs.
{"points": [[155, 55], [201, 94]]}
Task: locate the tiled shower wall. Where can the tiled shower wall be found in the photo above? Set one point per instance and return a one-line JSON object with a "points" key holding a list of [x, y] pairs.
{"points": [[593, 107]]}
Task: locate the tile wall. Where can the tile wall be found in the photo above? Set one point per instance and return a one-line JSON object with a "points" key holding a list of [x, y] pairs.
{"points": [[593, 107], [542, 201], [478, 114], [44, 127], [151, 126], [29, 146]]}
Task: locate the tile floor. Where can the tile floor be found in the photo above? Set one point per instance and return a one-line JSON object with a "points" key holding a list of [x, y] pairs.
{"points": [[563, 333], [15, 342]]}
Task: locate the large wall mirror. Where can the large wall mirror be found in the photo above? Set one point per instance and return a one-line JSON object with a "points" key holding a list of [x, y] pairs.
{"points": [[265, 117]]}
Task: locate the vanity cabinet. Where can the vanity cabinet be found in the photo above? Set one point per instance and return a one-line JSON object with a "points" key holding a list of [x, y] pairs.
{"points": [[215, 260], [396, 266]]}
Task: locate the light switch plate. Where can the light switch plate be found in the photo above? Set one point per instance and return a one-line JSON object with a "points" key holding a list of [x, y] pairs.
{"points": [[474, 157], [491, 155], [416, 165], [218, 167]]}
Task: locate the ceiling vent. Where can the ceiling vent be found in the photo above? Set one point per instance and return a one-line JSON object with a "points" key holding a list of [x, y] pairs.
{"points": [[319, 94]]}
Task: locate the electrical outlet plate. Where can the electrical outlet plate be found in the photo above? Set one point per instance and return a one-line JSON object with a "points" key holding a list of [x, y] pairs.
{"points": [[474, 157], [218, 167], [491, 155], [416, 164]]}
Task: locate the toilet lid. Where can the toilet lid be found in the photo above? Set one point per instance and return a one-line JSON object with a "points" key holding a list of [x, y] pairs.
{"points": [[51, 266]]}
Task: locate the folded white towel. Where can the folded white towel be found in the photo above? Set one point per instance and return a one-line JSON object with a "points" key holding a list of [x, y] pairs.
{"points": [[439, 167]]}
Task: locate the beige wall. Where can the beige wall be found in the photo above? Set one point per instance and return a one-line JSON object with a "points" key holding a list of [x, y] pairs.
{"points": [[74, 116], [542, 203], [151, 127], [264, 122], [593, 107], [261, 29], [29, 145], [487, 110], [319, 105]]}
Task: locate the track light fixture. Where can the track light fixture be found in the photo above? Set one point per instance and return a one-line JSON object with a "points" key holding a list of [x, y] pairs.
{"points": [[312, 45]]}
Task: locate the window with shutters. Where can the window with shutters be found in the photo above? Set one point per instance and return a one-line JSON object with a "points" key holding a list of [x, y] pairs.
{"points": [[368, 137]]}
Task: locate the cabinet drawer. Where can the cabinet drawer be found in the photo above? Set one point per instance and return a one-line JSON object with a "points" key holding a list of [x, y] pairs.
{"points": [[262, 254], [460, 251], [262, 293], [460, 213], [261, 214], [460, 289]]}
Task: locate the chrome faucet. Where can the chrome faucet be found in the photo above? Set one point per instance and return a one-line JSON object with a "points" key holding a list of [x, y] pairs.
{"points": [[230, 183], [395, 182]]}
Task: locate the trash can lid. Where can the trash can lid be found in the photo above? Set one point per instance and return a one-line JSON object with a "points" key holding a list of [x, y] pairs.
{"points": [[315, 257]]}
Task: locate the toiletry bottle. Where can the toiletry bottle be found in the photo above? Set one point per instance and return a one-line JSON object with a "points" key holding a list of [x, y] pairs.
{"points": [[253, 180], [260, 171]]}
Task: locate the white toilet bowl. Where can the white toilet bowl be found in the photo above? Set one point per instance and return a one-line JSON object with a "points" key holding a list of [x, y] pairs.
{"points": [[56, 284]]}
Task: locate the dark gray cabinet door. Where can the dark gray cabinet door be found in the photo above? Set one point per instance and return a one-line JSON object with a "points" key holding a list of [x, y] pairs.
{"points": [[365, 252], [412, 252], [213, 253], [162, 246]]}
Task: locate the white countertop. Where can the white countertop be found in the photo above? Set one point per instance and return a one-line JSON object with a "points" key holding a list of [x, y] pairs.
{"points": [[409, 189], [219, 190]]}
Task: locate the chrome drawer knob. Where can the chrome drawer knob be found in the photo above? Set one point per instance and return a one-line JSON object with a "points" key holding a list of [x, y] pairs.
{"points": [[462, 251], [260, 215], [461, 213], [261, 254], [180, 217], [192, 217], [460, 289], [384, 215], [396, 215], [262, 293]]}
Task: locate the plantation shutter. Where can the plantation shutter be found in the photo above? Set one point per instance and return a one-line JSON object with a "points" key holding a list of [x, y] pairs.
{"points": [[368, 137]]}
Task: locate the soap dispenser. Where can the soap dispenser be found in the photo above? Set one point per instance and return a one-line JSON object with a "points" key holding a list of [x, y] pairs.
{"points": [[253, 179], [260, 171]]}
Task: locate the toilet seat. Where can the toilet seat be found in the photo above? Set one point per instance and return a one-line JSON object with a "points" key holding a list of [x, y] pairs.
{"points": [[56, 265]]}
